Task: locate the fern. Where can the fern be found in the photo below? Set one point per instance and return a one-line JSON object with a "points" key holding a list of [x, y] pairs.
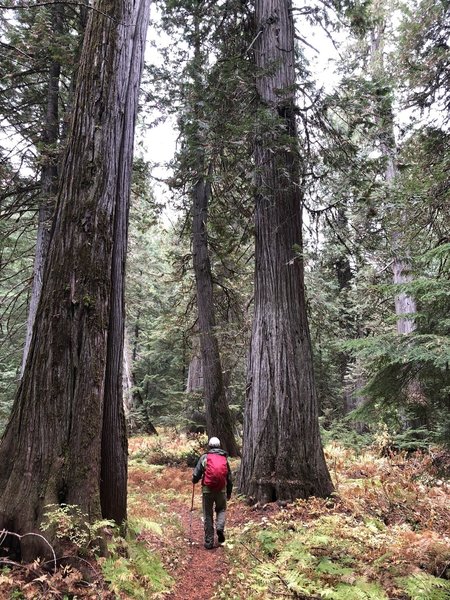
{"points": [[297, 552], [139, 524], [298, 582], [332, 568], [422, 586], [139, 575], [121, 579], [360, 589], [149, 568], [268, 541]]}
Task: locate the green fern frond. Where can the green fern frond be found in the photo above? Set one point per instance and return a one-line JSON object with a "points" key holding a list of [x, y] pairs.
{"points": [[422, 586], [149, 568], [139, 575], [137, 525], [360, 589], [332, 568], [117, 572]]}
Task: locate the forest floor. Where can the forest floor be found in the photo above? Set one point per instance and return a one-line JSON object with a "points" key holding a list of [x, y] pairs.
{"points": [[384, 535]]}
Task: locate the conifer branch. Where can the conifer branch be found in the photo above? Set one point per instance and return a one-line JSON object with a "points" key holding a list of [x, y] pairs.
{"points": [[52, 3]]}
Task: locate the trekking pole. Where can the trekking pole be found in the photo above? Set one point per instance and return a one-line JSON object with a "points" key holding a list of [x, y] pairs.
{"points": [[190, 514]]}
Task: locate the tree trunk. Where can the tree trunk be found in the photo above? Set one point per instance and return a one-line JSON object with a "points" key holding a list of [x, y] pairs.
{"points": [[405, 305], [218, 416], [282, 454], [219, 421], [51, 451], [195, 375], [49, 184]]}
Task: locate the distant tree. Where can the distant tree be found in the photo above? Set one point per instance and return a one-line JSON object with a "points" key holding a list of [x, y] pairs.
{"points": [[209, 179], [219, 421], [282, 453], [155, 318], [66, 441]]}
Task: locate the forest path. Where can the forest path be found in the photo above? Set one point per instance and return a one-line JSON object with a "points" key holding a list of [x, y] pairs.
{"points": [[202, 569], [167, 492]]}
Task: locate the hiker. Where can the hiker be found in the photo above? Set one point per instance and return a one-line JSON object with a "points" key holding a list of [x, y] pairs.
{"points": [[214, 470]]}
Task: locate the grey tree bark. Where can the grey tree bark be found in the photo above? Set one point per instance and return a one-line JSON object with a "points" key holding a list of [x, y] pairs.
{"points": [[69, 404], [282, 453], [405, 305], [194, 381], [219, 421], [49, 185]]}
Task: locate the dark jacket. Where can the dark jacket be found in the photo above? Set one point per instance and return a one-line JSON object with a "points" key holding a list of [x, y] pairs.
{"points": [[200, 467]]}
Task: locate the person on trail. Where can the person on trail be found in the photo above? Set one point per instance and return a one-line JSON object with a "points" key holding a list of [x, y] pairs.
{"points": [[214, 470]]}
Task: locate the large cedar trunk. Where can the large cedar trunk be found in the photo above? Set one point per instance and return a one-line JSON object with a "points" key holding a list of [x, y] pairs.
{"points": [[51, 451], [282, 454], [218, 416]]}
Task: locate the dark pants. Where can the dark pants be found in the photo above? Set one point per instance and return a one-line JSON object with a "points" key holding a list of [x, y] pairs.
{"points": [[211, 500]]}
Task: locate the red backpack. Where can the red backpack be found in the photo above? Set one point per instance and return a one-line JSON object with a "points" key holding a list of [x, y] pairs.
{"points": [[216, 471]]}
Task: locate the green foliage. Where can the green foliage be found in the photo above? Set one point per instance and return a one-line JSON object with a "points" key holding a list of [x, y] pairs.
{"points": [[308, 559], [343, 432], [359, 589], [423, 586], [137, 524], [424, 56], [170, 449], [155, 320], [415, 439], [69, 523], [140, 575]]}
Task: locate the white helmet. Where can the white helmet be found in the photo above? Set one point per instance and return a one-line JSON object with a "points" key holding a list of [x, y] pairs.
{"points": [[214, 442]]}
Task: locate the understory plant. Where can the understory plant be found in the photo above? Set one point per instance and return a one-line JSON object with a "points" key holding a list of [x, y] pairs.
{"points": [[384, 535]]}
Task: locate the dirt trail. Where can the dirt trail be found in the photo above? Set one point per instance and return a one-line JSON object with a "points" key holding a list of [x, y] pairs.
{"points": [[202, 568], [196, 571]]}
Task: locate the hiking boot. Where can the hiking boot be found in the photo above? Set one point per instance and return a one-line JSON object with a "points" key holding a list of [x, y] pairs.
{"points": [[209, 546], [220, 536]]}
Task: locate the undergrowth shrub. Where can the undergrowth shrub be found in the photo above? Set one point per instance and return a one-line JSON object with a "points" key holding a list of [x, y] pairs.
{"points": [[344, 433], [384, 535], [422, 586], [70, 524], [140, 575], [169, 449]]}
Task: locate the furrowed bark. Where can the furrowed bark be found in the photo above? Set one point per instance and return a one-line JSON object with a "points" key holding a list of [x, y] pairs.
{"points": [[282, 453], [49, 185], [51, 450], [218, 416]]}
